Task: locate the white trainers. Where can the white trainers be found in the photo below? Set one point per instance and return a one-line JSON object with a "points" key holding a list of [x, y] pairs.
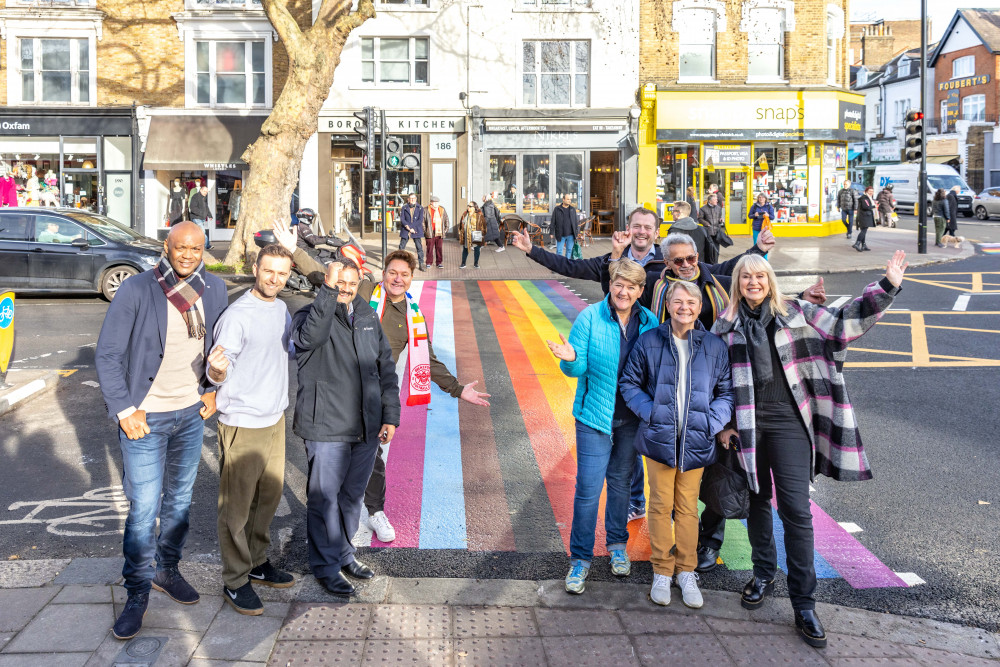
{"points": [[660, 592], [384, 531], [501, 249], [688, 583]]}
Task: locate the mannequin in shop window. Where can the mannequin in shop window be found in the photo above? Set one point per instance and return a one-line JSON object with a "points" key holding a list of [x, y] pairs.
{"points": [[175, 204], [32, 187], [50, 189], [8, 189]]}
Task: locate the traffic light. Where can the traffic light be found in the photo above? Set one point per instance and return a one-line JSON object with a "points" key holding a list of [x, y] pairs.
{"points": [[365, 130], [410, 161], [393, 152], [913, 143]]}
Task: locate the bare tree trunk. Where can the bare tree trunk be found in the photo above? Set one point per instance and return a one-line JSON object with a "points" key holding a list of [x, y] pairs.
{"points": [[275, 158]]}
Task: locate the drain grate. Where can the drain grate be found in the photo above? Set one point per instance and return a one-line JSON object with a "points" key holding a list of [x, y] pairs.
{"points": [[141, 651]]}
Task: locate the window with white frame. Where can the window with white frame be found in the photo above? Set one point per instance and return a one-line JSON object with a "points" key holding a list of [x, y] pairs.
{"points": [[231, 73], [55, 70], [766, 50], [974, 107], [696, 30], [555, 73], [964, 66], [834, 34], [403, 61]]}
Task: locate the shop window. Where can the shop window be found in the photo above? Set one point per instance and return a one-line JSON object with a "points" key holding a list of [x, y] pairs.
{"points": [[974, 107], [696, 30], [535, 179], [400, 183], [781, 174], [55, 70], [555, 73], [677, 169], [395, 60], [569, 178], [503, 181], [231, 73], [964, 66]]}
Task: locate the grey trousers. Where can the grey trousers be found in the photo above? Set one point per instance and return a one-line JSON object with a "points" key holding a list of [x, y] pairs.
{"points": [[338, 475]]}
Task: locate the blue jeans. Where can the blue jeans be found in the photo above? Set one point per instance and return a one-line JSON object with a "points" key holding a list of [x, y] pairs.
{"points": [[637, 498], [159, 471], [564, 246], [206, 227], [600, 456]]}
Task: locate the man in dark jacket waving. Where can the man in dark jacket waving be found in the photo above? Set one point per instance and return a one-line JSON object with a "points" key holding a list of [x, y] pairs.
{"points": [[347, 403]]}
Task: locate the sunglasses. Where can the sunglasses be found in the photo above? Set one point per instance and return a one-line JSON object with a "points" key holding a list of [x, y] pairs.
{"points": [[681, 261]]}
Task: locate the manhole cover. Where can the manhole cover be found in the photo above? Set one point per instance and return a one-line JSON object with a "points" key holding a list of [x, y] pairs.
{"points": [[141, 651]]}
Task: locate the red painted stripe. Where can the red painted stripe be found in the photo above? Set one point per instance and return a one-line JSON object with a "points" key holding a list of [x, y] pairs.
{"points": [[404, 470], [487, 518]]}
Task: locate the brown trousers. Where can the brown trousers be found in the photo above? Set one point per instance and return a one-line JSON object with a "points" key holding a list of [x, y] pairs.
{"points": [[251, 479], [673, 491]]}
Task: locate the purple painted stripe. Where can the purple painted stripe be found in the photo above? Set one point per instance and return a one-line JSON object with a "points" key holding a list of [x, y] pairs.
{"points": [[563, 291], [858, 566]]}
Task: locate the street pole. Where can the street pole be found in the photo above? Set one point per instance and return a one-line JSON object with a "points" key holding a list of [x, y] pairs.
{"points": [[922, 218], [381, 182]]}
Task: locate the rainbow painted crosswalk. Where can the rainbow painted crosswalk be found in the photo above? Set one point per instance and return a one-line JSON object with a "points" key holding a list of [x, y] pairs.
{"points": [[502, 478]]}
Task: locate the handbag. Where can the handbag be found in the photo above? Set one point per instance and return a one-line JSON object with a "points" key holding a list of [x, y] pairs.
{"points": [[724, 488], [577, 252], [723, 238], [477, 236]]}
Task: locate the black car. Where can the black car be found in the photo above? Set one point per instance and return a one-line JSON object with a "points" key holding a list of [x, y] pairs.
{"points": [[69, 250]]}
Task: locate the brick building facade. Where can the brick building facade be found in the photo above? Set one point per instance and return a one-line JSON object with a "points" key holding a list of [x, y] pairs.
{"points": [[874, 43]]}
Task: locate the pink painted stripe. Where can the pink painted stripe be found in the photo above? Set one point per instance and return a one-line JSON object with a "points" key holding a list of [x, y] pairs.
{"points": [[404, 470], [858, 566], [564, 292]]}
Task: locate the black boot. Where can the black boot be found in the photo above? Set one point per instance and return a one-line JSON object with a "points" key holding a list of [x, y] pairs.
{"points": [[755, 591], [810, 628], [708, 559], [857, 246], [864, 247]]}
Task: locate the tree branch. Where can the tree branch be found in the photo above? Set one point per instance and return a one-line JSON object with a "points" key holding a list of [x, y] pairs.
{"points": [[285, 25], [341, 19]]}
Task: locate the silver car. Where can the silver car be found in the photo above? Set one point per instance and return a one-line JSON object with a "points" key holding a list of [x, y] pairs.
{"points": [[987, 203]]}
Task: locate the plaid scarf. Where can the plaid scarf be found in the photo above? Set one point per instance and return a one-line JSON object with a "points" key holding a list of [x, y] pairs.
{"points": [[717, 295], [183, 294]]}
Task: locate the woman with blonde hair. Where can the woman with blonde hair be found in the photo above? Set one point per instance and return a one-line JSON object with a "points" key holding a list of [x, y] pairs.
{"points": [[793, 416], [599, 344]]}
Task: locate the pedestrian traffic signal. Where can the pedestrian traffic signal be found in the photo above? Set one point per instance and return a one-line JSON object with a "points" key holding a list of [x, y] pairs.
{"points": [[393, 152], [913, 142], [365, 130], [410, 161]]}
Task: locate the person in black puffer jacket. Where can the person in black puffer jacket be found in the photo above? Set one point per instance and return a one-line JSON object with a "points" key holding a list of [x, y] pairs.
{"points": [[564, 221]]}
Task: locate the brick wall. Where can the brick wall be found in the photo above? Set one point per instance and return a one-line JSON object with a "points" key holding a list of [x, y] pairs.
{"points": [[986, 63], [906, 34]]}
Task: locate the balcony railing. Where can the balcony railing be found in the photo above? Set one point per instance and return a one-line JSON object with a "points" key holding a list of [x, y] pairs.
{"points": [[942, 125]]}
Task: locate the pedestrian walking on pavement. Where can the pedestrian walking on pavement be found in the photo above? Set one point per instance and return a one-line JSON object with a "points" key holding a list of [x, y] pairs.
{"points": [[940, 209], [436, 223], [150, 363], [712, 217], [760, 209], [347, 403], [471, 233], [793, 416], [564, 222], [847, 202], [598, 347], [678, 381], [411, 218], [201, 215], [494, 223], [692, 200], [866, 218], [886, 205], [952, 227], [249, 365]]}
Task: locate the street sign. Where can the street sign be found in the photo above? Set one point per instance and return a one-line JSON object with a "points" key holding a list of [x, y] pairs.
{"points": [[6, 332]]}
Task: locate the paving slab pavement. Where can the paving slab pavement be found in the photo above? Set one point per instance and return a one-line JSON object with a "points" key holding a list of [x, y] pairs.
{"points": [[444, 621]]}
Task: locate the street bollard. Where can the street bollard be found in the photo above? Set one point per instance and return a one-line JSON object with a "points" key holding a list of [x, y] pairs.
{"points": [[6, 335]]}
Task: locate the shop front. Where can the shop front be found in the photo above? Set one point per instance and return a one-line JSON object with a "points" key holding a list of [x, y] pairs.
{"points": [[434, 149], [790, 146], [76, 158], [532, 163], [186, 152]]}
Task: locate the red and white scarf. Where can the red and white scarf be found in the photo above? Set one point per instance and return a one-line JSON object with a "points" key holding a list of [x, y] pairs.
{"points": [[418, 362]]}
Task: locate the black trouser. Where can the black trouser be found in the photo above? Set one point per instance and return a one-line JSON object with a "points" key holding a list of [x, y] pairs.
{"points": [[711, 529], [476, 249], [375, 491], [862, 232], [847, 216], [783, 450]]}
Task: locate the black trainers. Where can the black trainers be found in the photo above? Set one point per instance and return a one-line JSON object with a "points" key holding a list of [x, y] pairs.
{"points": [[130, 620], [244, 600], [269, 575], [170, 581]]}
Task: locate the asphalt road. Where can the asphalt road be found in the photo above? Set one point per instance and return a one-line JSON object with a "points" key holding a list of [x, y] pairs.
{"points": [[973, 229], [933, 508]]}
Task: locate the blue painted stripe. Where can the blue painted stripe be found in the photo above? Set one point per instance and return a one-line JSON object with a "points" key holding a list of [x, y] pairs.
{"points": [[823, 569], [442, 508], [557, 300]]}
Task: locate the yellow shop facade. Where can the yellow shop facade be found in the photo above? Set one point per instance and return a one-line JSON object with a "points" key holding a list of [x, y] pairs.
{"points": [[790, 145]]}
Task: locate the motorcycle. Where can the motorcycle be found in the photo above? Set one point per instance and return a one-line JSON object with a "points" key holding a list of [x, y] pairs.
{"points": [[298, 281]]}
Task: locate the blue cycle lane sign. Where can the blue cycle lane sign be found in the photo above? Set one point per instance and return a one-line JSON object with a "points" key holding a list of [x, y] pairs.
{"points": [[6, 332]]}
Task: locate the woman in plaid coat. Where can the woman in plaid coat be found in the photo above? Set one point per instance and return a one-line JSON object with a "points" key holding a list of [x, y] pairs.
{"points": [[793, 416]]}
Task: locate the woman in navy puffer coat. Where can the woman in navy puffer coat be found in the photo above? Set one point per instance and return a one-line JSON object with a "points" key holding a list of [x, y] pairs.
{"points": [[678, 381]]}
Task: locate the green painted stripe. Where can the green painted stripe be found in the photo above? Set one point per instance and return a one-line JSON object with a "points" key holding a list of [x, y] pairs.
{"points": [[549, 309], [735, 551]]}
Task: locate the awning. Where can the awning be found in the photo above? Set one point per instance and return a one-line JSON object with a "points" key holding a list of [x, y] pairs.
{"points": [[941, 159], [198, 143], [852, 154]]}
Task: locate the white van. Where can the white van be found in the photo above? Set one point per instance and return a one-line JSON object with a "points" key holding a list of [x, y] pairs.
{"points": [[905, 184]]}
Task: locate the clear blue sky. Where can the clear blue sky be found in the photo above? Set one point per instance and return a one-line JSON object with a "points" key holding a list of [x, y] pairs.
{"points": [[938, 11]]}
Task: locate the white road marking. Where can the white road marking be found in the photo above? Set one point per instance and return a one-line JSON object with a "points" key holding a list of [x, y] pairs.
{"points": [[22, 393], [91, 383], [210, 459], [910, 578], [284, 509], [839, 302], [962, 302], [850, 527]]}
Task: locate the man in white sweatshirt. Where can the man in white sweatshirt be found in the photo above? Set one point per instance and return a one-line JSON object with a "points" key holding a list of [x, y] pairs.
{"points": [[250, 366]]}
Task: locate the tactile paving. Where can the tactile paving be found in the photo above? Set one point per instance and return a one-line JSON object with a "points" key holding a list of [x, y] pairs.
{"points": [[656, 622], [847, 646], [499, 652], [408, 652], [326, 621], [295, 653], [584, 651], [687, 650], [764, 649], [410, 621], [562, 622], [494, 622]]}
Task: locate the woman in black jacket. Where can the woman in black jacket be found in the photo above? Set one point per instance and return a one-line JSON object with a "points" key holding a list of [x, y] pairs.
{"points": [[866, 217]]}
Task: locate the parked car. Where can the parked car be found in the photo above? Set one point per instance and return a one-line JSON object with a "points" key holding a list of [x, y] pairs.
{"points": [[987, 203], [69, 250]]}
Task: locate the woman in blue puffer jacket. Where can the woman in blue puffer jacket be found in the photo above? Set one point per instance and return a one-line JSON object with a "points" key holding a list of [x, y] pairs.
{"points": [[678, 381], [598, 347]]}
